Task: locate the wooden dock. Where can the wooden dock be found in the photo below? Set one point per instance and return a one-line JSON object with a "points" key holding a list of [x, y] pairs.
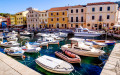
{"points": [[9, 66], [112, 66]]}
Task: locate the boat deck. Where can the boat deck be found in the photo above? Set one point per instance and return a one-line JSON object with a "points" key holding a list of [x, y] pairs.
{"points": [[9, 66], [112, 66]]}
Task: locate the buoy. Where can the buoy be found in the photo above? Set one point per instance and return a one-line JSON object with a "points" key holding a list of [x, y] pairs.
{"points": [[23, 56], [40, 46]]}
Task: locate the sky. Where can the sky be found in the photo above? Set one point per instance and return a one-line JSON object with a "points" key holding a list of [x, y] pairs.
{"points": [[14, 6]]}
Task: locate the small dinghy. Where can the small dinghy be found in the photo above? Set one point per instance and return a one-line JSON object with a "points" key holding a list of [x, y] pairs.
{"points": [[30, 49], [14, 51], [68, 56], [54, 65]]}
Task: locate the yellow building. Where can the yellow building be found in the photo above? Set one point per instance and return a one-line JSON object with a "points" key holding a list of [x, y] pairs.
{"points": [[58, 17], [21, 18], [12, 19]]}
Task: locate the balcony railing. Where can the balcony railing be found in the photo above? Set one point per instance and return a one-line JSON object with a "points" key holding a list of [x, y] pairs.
{"points": [[100, 20], [76, 22]]}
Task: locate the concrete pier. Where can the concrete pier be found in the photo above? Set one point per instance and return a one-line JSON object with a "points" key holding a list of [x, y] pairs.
{"points": [[112, 66], [9, 66]]}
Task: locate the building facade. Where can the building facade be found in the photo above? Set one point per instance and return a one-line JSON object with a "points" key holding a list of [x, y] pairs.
{"points": [[58, 17], [13, 20], [77, 16], [21, 18], [36, 19], [101, 15]]}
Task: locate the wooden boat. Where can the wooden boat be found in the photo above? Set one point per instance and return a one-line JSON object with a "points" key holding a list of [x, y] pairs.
{"points": [[68, 56], [108, 42], [54, 65]]}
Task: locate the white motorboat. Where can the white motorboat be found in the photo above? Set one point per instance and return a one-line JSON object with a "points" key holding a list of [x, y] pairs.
{"points": [[86, 32], [9, 44], [61, 34], [54, 65], [12, 38], [13, 33], [50, 40], [30, 49], [26, 33], [80, 48], [39, 34], [14, 51]]}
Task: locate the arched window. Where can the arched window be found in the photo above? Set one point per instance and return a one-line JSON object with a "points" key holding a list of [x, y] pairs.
{"points": [[112, 24], [88, 24]]}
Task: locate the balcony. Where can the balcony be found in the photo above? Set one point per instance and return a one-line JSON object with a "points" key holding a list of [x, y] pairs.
{"points": [[100, 20], [77, 22]]}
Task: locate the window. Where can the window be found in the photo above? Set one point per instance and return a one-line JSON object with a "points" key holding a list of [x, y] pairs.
{"points": [[40, 15], [71, 19], [108, 8], [36, 19], [45, 14], [95, 25], [63, 13], [36, 15], [51, 14], [82, 10], [62, 25], [93, 9], [52, 25], [71, 11], [57, 13], [108, 16], [100, 18], [57, 19], [76, 10], [51, 19], [63, 19], [93, 17], [88, 24], [71, 25], [81, 19], [100, 8], [76, 19], [76, 26], [112, 24]]}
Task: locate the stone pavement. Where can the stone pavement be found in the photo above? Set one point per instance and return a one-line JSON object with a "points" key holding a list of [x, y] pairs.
{"points": [[9, 66], [112, 66]]}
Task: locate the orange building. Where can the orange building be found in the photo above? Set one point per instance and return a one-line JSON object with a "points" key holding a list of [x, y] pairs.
{"points": [[58, 17]]}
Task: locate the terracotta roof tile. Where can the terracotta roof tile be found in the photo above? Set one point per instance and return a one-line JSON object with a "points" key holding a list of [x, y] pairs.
{"points": [[77, 6], [101, 3], [59, 8]]}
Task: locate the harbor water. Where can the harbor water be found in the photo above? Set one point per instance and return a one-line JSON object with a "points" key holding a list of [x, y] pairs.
{"points": [[88, 65]]}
